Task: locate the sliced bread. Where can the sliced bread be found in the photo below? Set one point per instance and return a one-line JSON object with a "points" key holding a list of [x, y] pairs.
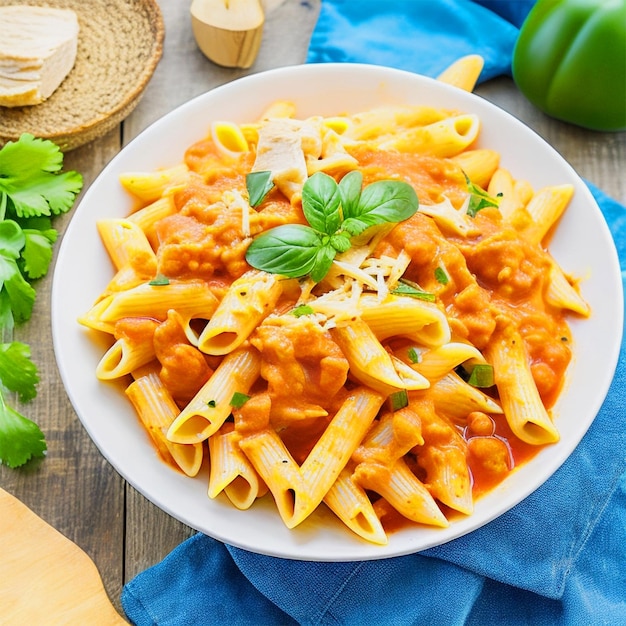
{"points": [[37, 51]]}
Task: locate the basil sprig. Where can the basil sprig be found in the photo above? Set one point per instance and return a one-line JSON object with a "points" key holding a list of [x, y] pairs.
{"points": [[479, 198], [335, 212]]}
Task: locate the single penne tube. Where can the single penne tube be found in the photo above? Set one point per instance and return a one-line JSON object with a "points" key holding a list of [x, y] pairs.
{"points": [[279, 108], [231, 472], [512, 194], [229, 139], [147, 217], [478, 165], [456, 399], [524, 411], [123, 357], [349, 502], [464, 72], [445, 138], [562, 294], [393, 435], [207, 411], [93, 317], [127, 244], [298, 490], [248, 301], [437, 362], [404, 316], [157, 410], [150, 186], [546, 207], [403, 490], [384, 122], [370, 363], [448, 477], [189, 298]]}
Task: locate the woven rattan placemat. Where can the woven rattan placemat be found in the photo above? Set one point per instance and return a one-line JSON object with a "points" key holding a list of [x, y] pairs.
{"points": [[120, 43]]}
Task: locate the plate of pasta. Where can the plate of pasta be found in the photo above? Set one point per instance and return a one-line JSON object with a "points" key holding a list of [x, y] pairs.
{"points": [[337, 312]]}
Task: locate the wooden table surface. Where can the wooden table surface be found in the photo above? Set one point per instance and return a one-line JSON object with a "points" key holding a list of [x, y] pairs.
{"points": [[74, 488]]}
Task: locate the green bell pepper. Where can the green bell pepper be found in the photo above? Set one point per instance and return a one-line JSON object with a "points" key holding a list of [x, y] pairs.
{"points": [[570, 61]]}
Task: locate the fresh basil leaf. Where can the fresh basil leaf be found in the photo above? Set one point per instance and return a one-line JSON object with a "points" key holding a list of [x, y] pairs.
{"points": [[321, 203], [341, 242], [290, 250], [383, 201], [258, 184], [350, 191], [387, 201], [323, 260]]}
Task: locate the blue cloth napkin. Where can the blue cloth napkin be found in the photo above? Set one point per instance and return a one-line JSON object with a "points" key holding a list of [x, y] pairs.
{"points": [[557, 559]]}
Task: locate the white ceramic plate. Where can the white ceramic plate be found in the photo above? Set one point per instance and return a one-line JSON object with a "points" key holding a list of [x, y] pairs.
{"points": [[583, 245]]}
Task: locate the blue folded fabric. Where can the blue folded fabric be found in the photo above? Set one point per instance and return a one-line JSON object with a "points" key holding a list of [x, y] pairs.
{"points": [[418, 35], [556, 559]]}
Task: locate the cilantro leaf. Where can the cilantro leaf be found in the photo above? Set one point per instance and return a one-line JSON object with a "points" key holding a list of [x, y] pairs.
{"points": [[31, 181], [37, 253], [17, 372], [20, 438]]}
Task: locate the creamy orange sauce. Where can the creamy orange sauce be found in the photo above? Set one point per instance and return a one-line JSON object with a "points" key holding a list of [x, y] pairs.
{"points": [[493, 274]]}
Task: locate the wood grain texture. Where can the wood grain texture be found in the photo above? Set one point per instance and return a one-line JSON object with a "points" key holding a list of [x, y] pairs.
{"points": [[45, 574], [74, 488]]}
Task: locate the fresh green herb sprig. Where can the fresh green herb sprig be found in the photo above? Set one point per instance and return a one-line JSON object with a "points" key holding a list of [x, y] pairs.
{"points": [[335, 212], [33, 190], [479, 198]]}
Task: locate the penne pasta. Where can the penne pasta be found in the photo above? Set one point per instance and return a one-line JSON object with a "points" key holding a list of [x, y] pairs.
{"points": [[298, 490], [249, 300], [332, 368], [211, 406], [349, 502], [445, 138], [231, 471], [370, 363], [157, 411], [464, 72], [519, 397]]}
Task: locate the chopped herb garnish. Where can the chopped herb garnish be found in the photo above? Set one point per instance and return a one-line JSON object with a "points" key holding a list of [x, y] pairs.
{"points": [[441, 276], [212, 403], [302, 309], [258, 184], [239, 399], [159, 280], [481, 376], [414, 355], [479, 199], [398, 400], [408, 288], [335, 213]]}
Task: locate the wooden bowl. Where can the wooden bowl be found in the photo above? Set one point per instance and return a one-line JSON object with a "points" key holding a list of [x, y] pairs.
{"points": [[120, 43]]}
